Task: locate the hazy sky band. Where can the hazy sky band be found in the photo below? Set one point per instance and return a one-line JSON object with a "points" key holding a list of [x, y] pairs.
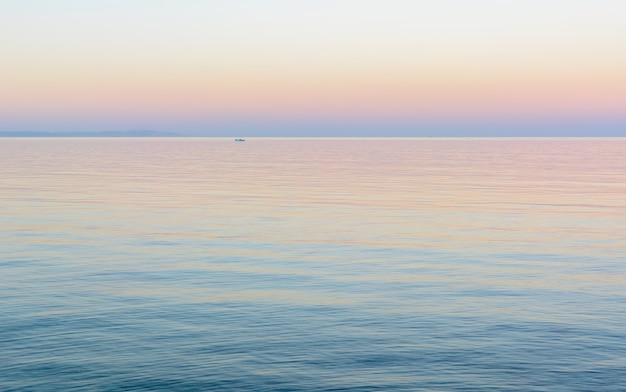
{"points": [[120, 64]]}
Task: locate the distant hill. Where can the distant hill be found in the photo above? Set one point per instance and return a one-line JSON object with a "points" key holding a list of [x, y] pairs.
{"points": [[140, 133]]}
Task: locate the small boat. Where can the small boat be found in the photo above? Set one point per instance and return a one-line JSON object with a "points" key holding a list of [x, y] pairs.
{"points": [[240, 140]]}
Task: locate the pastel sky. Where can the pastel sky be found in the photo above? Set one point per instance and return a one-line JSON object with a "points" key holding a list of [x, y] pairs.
{"points": [[314, 67]]}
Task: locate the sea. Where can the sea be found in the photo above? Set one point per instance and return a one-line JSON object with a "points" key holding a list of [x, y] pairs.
{"points": [[312, 264]]}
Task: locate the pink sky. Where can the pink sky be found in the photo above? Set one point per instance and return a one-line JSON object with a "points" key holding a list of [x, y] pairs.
{"points": [[384, 61]]}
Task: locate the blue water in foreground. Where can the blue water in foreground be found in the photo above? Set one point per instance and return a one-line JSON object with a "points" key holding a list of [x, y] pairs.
{"points": [[313, 265]]}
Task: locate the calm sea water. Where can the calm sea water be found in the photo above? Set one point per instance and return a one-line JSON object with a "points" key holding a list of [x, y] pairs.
{"points": [[313, 265]]}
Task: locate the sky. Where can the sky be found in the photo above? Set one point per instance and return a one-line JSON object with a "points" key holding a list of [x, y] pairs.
{"points": [[315, 67]]}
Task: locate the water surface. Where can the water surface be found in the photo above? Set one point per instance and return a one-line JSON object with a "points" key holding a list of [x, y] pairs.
{"points": [[312, 264]]}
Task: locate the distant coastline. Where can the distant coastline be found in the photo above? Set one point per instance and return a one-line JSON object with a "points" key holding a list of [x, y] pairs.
{"points": [[140, 133]]}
